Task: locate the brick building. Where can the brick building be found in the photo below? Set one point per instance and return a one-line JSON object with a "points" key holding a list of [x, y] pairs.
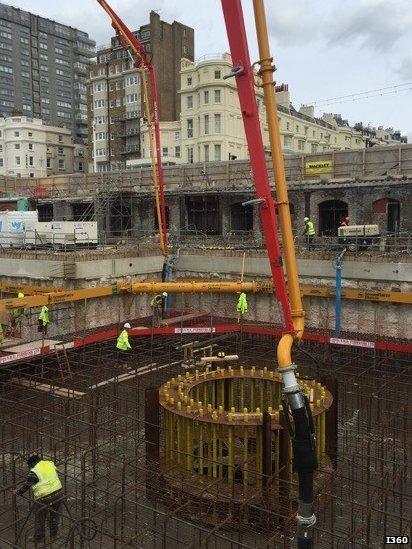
{"points": [[115, 99]]}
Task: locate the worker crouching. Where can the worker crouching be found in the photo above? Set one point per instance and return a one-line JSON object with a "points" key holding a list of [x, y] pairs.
{"points": [[47, 493], [157, 304]]}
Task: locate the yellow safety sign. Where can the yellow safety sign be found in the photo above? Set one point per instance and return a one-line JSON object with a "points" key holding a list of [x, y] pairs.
{"points": [[324, 166]]}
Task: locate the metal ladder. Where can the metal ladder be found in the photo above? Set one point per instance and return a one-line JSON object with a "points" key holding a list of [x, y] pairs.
{"points": [[62, 360]]}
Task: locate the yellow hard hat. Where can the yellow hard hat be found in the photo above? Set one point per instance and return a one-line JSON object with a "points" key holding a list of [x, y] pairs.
{"points": [[20, 294]]}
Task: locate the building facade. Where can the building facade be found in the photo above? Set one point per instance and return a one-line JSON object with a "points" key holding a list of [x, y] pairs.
{"points": [[211, 126], [43, 70], [115, 99], [29, 148]]}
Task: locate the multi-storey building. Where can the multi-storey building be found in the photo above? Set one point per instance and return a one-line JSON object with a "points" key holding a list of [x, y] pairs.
{"points": [[43, 70], [29, 148], [114, 92], [210, 126]]}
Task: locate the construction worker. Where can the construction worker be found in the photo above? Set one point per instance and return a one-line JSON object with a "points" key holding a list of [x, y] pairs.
{"points": [[17, 315], [241, 305], [123, 346], [221, 354], [309, 231], [43, 320], [47, 494], [157, 305], [345, 222]]}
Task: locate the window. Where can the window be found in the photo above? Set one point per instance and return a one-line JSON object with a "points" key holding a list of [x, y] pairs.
{"points": [[16, 134], [48, 163], [24, 40], [206, 153], [189, 80], [189, 101], [287, 141], [60, 138], [17, 160], [7, 70], [62, 165], [1, 148], [217, 75], [165, 151], [131, 98], [98, 87], [43, 46], [185, 50], [177, 151], [61, 150], [99, 103], [31, 146], [30, 134], [17, 145], [206, 124], [301, 145], [190, 128], [5, 34], [218, 152], [31, 161], [1, 163], [206, 97], [314, 148], [190, 155], [217, 123], [217, 96], [287, 125]]}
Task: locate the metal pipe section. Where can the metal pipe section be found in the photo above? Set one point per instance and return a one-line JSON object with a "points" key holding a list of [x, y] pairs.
{"points": [[338, 292], [189, 287], [295, 403]]}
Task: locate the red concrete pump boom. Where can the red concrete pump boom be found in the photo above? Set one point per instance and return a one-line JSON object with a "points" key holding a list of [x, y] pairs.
{"points": [[129, 40], [243, 73]]}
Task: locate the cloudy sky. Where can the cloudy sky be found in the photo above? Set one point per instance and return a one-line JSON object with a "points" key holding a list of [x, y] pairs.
{"points": [[322, 48]]}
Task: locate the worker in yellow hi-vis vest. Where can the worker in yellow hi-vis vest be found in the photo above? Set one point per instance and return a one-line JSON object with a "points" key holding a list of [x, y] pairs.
{"points": [[309, 232], [47, 493], [241, 306], [43, 320], [123, 346]]}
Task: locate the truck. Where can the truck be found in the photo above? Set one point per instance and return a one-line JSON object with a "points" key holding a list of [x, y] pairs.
{"points": [[358, 237]]}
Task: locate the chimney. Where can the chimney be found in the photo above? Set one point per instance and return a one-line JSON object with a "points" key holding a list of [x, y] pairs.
{"points": [[308, 110]]}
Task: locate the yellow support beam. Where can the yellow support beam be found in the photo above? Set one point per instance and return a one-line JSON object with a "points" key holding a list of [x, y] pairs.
{"points": [[43, 297], [27, 289]]}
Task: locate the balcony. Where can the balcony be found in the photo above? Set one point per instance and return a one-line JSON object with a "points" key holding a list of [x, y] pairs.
{"points": [[130, 150]]}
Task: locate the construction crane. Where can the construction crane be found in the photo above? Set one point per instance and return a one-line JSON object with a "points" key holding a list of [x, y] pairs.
{"points": [[295, 404], [151, 105]]}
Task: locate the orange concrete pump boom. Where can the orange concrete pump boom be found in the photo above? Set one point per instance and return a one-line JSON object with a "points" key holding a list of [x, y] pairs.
{"points": [[151, 103]]}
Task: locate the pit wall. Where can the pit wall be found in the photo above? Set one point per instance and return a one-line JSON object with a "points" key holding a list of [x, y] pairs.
{"points": [[367, 318]]}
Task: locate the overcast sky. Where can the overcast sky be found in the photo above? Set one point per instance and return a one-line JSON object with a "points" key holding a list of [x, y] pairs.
{"points": [[322, 48]]}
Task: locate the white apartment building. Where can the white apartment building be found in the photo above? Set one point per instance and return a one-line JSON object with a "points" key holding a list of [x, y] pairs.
{"points": [[29, 148], [211, 126]]}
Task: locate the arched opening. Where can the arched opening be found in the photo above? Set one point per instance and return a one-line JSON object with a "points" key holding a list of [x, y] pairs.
{"points": [[203, 214], [331, 214], [241, 217], [391, 208]]}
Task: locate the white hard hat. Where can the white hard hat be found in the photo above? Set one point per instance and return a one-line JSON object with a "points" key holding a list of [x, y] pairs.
{"points": [[164, 294], [306, 219], [127, 326]]}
